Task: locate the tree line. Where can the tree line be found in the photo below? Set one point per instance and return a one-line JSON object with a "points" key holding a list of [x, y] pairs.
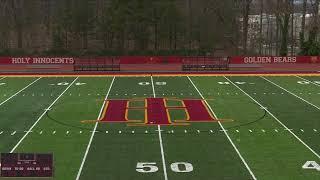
{"points": [[144, 27]]}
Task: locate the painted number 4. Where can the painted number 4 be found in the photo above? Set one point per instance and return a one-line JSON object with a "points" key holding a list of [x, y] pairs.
{"points": [[311, 165], [151, 167]]}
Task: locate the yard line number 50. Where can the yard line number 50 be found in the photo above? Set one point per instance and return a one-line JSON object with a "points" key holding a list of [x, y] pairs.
{"points": [[151, 167]]}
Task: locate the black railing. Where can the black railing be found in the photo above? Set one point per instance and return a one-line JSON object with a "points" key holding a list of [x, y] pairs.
{"points": [[205, 63], [97, 64]]}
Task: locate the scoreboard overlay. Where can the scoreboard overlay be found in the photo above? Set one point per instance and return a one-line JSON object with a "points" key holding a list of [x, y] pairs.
{"points": [[26, 165]]}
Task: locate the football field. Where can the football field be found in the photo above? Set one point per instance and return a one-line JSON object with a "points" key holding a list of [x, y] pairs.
{"points": [[166, 127]]}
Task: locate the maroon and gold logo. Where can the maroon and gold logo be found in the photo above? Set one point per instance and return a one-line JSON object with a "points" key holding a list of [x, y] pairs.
{"points": [[314, 59], [155, 111]]}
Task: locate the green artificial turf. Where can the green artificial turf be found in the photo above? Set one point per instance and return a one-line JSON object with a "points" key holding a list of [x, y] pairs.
{"points": [[269, 127]]}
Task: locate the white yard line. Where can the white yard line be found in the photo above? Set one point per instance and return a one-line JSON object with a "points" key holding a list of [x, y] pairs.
{"points": [[275, 118], [308, 81], [94, 130], [160, 140], [19, 91], [293, 94], [47, 109], [225, 132], [2, 78]]}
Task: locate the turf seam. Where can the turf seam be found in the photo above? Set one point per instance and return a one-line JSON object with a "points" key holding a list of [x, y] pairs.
{"points": [[47, 109], [225, 132], [93, 132], [160, 138], [301, 141], [20, 91]]}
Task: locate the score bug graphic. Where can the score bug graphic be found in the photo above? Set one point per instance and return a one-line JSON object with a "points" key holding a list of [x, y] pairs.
{"points": [[26, 165], [156, 111]]}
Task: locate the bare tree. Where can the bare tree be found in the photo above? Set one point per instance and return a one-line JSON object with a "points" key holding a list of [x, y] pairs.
{"points": [[246, 11], [303, 21]]}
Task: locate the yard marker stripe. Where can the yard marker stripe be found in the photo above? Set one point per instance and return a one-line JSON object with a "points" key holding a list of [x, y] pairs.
{"points": [[94, 130], [19, 91], [308, 81], [2, 78], [290, 93], [160, 139], [46, 110], [275, 118], [225, 132]]}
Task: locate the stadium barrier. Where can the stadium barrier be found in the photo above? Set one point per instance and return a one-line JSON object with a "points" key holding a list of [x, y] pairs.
{"points": [[159, 63], [275, 63], [36, 64]]}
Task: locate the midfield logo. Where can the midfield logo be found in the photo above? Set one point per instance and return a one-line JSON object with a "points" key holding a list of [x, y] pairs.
{"points": [[155, 111]]}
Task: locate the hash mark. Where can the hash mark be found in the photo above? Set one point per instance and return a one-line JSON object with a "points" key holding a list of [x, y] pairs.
{"points": [[54, 132], [314, 130], [107, 132], [263, 130], [13, 133]]}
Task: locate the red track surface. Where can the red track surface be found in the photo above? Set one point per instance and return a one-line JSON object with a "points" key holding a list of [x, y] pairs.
{"points": [[222, 73]]}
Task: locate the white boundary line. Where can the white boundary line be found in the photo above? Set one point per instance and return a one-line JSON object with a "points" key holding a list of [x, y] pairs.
{"points": [[225, 132], [160, 140], [2, 78], [19, 91], [293, 94], [308, 81], [275, 118], [47, 109], [94, 130]]}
